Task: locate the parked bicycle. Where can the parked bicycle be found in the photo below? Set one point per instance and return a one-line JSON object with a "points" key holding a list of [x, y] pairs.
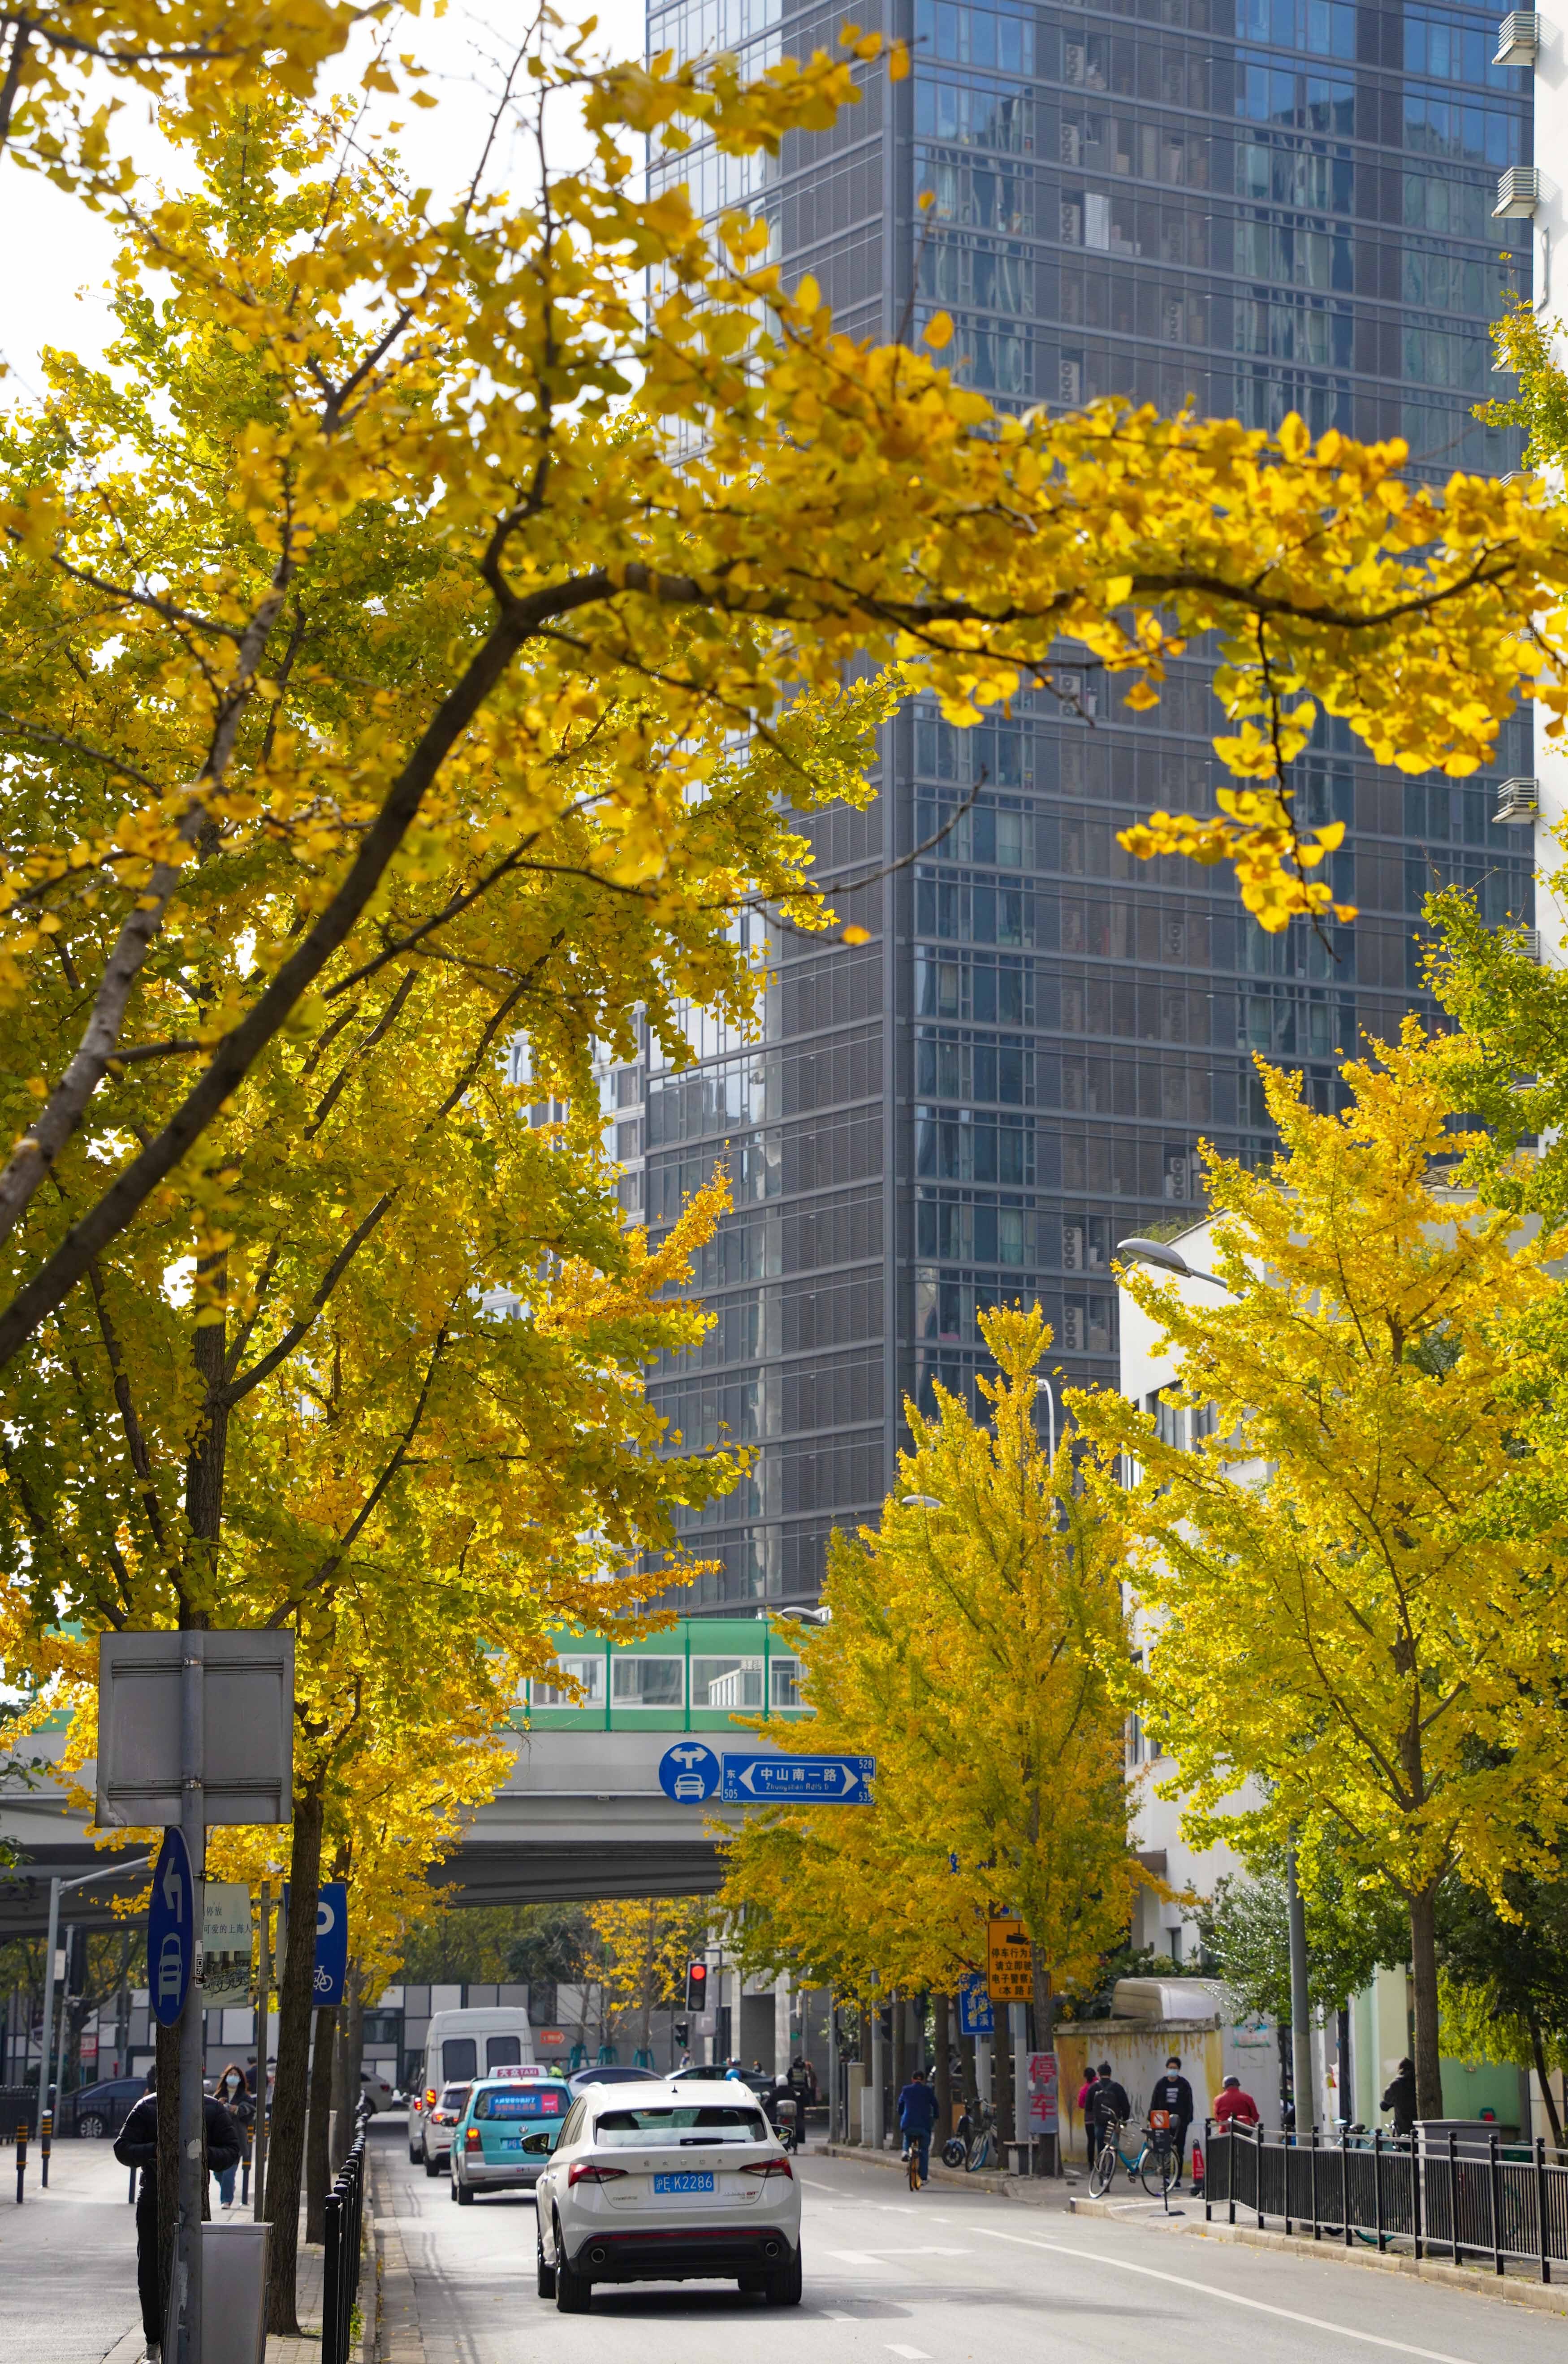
{"points": [[971, 2144], [1152, 2164]]}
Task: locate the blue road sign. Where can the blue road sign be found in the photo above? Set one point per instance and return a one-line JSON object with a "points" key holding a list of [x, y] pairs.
{"points": [[331, 1965], [689, 1773], [798, 1780], [171, 1928], [332, 1944], [975, 2016]]}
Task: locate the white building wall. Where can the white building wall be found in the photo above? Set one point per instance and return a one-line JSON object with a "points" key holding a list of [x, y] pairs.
{"points": [[1157, 1821]]}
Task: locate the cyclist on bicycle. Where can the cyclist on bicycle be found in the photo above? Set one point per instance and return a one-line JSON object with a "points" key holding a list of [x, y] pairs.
{"points": [[1110, 2106], [916, 2116]]}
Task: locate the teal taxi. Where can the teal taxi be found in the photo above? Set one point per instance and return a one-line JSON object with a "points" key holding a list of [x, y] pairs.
{"points": [[508, 2128]]}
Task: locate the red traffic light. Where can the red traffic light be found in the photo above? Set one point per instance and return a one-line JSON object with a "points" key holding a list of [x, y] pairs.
{"points": [[696, 1986]]}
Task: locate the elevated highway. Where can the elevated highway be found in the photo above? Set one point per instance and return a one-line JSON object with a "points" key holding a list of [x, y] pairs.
{"points": [[580, 1814]]}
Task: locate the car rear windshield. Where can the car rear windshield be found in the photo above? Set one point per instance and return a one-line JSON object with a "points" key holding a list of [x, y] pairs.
{"points": [[454, 2097], [707, 2122], [523, 2102]]}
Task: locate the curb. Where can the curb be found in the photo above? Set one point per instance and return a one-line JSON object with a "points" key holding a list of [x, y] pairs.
{"points": [[1513, 2290], [1032, 2192]]}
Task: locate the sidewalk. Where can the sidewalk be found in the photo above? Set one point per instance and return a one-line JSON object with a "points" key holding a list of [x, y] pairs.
{"points": [[1049, 2191], [68, 2265]]}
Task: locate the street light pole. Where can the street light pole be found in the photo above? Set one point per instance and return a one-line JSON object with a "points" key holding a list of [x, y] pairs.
{"points": [[187, 2311], [57, 1889]]}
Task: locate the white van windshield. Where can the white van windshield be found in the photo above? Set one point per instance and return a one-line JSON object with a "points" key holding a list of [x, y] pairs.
{"points": [[698, 2122]]}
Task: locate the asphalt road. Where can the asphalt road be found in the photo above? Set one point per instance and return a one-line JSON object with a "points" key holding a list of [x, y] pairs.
{"points": [[945, 2275], [67, 2258]]}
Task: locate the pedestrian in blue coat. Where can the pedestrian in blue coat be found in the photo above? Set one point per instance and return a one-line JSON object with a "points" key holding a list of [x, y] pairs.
{"points": [[916, 2116]]}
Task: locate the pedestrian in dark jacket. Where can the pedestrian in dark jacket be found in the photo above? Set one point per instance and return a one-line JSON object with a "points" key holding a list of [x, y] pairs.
{"points": [[136, 2146], [1401, 2099], [1173, 2095], [916, 2116], [1110, 2104]]}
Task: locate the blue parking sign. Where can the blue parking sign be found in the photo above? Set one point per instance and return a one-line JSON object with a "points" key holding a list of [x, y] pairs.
{"points": [[330, 1968], [332, 1944], [975, 2015], [171, 1928]]}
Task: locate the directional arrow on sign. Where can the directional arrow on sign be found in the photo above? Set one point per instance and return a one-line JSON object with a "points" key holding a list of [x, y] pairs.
{"points": [[798, 1780]]}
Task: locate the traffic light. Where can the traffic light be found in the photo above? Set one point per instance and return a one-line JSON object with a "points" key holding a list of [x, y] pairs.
{"points": [[76, 1961], [696, 1986], [683, 2031]]}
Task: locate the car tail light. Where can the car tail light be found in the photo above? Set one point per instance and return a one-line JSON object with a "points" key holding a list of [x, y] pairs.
{"points": [[586, 2172], [473, 2139], [770, 2167], [430, 2099]]}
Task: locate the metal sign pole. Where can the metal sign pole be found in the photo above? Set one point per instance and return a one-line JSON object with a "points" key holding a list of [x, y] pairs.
{"points": [[193, 2096], [46, 2072], [264, 2017]]}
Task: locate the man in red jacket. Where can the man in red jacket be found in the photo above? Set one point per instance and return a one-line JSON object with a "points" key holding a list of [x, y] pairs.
{"points": [[1234, 2106]]}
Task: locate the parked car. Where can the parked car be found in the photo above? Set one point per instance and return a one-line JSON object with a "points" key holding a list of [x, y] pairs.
{"points": [[376, 2087], [99, 2110]]}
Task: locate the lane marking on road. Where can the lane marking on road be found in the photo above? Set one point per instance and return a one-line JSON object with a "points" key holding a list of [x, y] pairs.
{"points": [[911, 2355], [1232, 2298], [874, 2257]]}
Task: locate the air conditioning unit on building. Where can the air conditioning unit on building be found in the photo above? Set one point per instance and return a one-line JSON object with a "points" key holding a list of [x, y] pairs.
{"points": [[1529, 940], [1519, 37], [1518, 799], [1518, 192]]}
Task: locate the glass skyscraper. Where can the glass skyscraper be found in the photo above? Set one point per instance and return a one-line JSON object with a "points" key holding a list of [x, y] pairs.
{"points": [[1264, 205]]}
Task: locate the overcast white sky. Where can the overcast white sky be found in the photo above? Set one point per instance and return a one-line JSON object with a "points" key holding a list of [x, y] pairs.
{"points": [[57, 254]]}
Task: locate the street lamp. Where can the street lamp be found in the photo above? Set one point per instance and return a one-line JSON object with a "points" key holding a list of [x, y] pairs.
{"points": [[1165, 1259], [57, 1889]]}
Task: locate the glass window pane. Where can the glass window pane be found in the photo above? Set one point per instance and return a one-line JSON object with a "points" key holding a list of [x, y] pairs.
{"points": [[587, 1672], [649, 1682], [785, 1681], [460, 2056], [727, 1683], [502, 2051]]}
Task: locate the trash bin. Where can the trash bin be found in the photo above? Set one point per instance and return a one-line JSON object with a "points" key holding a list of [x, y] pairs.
{"points": [[234, 2293]]}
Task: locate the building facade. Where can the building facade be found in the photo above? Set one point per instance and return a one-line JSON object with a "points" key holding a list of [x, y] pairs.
{"points": [[1261, 206]]}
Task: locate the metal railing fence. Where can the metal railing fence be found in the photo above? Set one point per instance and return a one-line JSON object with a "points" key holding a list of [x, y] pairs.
{"points": [[340, 2277], [1459, 2197]]}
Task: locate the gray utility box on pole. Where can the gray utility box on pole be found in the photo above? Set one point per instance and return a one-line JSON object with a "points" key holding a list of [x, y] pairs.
{"points": [[196, 1727], [246, 1689]]}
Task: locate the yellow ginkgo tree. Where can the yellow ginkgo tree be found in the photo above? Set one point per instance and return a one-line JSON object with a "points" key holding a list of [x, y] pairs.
{"points": [[405, 556], [1359, 1574], [977, 1648]]}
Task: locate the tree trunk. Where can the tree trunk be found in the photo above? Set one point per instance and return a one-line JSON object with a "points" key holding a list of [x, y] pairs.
{"points": [[968, 2074], [285, 2147], [1001, 2081], [1544, 2074], [1424, 1968], [942, 2042], [348, 2081], [166, 2055], [900, 2049], [318, 2128]]}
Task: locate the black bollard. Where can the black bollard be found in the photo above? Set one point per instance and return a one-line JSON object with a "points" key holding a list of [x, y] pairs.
{"points": [[21, 2159], [46, 2131]]}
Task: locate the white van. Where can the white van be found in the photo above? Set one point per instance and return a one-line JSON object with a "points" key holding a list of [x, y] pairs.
{"points": [[458, 2046]]}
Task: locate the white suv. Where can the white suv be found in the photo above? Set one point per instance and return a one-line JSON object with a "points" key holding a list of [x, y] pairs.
{"points": [[668, 2182]]}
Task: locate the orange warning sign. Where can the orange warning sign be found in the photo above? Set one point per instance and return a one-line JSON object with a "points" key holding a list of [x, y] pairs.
{"points": [[1010, 1962]]}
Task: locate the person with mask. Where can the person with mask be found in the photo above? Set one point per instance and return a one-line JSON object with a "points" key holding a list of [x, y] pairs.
{"points": [[234, 2092], [1173, 2095]]}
